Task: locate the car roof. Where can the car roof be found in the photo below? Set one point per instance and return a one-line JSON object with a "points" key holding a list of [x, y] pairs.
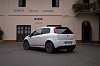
{"points": [[47, 27], [53, 27]]}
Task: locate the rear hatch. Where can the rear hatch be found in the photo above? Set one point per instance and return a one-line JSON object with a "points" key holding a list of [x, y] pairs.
{"points": [[64, 33]]}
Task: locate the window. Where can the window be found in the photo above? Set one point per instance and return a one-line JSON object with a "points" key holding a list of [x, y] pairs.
{"points": [[86, 1], [64, 30], [22, 31], [37, 32], [55, 3], [45, 30], [22, 3]]}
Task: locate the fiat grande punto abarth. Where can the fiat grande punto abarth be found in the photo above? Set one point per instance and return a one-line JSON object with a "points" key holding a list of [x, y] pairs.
{"points": [[51, 38]]}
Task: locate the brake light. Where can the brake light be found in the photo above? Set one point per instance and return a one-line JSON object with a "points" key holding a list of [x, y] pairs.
{"points": [[55, 31]]}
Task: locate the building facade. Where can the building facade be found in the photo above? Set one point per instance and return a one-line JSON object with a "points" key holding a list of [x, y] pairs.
{"points": [[20, 17]]}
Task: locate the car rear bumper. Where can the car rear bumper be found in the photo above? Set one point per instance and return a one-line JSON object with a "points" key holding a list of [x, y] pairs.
{"points": [[64, 47], [64, 43]]}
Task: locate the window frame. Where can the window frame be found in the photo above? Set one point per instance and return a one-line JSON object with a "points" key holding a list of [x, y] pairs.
{"points": [[86, 1], [55, 3], [35, 33], [22, 3]]}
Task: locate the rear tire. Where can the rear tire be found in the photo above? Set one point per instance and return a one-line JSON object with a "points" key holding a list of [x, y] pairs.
{"points": [[26, 45], [70, 48], [49, 47]]}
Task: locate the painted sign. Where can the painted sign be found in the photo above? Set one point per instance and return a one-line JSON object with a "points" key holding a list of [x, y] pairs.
{"points": [[32, 10]]}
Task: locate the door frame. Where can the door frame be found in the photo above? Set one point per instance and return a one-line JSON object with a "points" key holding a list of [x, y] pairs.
{"points": [[86, 32], [22, 34]]}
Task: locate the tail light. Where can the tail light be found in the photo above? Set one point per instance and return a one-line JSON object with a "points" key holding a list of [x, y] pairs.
{"points": [[55, 31]]}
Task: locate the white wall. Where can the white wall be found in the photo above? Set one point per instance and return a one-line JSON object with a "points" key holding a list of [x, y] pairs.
{"points": [[1, 7], [1, 22], [1, 13], [62, 15], [39, 5], [93, 19]]}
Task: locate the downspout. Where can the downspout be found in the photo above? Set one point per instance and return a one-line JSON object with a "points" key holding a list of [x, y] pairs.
{"points": [[99, 20], [99, 27]]}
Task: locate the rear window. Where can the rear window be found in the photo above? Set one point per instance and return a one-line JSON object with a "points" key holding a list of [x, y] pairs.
{"points": [[64, 30]]}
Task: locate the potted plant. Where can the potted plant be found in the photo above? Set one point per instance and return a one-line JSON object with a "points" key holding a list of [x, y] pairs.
{"points": [[98, 1], [1, 35], [80, 6], [93, 6]]}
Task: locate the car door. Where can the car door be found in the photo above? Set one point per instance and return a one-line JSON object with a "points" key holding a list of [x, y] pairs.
{"points": [[34, 40], [45, 34]]}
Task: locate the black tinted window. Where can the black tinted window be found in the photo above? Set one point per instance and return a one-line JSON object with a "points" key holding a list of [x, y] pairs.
{"points": [[45, 30], [37, 32], [55, 3], [22, 3], [64, 30]]}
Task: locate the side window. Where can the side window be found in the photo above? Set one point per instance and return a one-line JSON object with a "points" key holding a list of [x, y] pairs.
{"points": [[37, 32], [45, 30]]}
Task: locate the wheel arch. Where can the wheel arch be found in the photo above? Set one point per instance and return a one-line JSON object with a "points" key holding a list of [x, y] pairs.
{"points": [[25, 40], [49, 41]]}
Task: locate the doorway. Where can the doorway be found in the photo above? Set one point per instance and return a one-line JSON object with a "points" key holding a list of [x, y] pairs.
{"points": [[86, 32], [22, 31]]}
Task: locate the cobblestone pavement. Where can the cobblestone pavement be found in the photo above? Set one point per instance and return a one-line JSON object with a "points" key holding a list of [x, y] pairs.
{"points": [[15, 55]]}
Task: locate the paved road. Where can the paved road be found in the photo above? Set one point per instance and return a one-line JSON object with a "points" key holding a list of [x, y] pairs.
{"points": [[15, 55]]}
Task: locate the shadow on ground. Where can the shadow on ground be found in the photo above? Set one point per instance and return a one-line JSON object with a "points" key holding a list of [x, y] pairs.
{"points": [[62, 51]]}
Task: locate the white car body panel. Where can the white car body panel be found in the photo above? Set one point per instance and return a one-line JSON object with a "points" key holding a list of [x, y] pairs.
{"points": [[57, 39]]}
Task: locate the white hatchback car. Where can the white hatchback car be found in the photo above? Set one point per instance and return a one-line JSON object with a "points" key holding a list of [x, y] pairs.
{"points": [[51, 38]]}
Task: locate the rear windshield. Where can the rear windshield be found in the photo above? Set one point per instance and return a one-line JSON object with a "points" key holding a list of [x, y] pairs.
{"points": [[64, 30]]}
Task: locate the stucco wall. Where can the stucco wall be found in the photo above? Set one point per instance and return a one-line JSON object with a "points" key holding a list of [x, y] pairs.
{"points": [[1, 22], [1, 13], [1, 7], [34, 5], [12, 15], [94, 21]]}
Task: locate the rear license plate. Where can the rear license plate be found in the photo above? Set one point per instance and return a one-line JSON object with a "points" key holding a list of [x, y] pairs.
{"points": [[68, 42]]}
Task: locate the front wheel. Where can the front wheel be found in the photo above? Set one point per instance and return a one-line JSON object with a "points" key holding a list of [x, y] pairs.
{"points": [[26, 45], [49, 47]]}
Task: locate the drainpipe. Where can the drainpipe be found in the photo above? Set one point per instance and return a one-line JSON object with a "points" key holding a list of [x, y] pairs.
{"points": [[99, 27], [98, 1]]}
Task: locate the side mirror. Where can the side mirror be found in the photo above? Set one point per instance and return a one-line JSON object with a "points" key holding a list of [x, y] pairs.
{"points": [[30, 35]]}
